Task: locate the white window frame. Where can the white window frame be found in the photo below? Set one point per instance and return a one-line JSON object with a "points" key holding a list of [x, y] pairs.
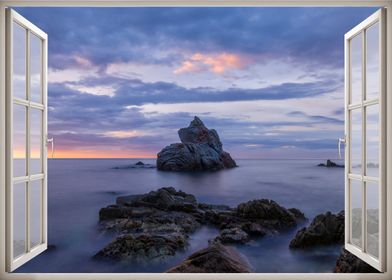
{"points": [[12, 263], [195, 3], [378, 263]]}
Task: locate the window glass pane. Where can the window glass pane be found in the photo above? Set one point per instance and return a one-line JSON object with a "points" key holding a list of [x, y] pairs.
{"points": [[372, 140], [356, 141], [356, 212], [36, 141], [372, 62], [19, 219], [356, 69], [35, 212], [372, 218], [19, 140], [19, 61], [35, 68]]}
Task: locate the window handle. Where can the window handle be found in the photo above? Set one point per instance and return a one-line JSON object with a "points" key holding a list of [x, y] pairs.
{"points": [[51, 141], [340, 141]]}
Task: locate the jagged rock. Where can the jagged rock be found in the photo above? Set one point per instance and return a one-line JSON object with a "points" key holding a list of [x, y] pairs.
{"points": [[200, 149], [348, 263], [325, 229], [330, 163], [142, 247], [232, 235], [269, 210], [254, 218], [164, 199], [215, 258]]}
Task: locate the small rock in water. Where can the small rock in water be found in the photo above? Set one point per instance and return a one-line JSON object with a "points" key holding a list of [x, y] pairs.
{"points": [[139, 163], [215, 258], [325, 229], [330, 163]]}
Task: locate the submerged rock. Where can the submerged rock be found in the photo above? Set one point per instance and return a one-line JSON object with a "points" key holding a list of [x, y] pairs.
{"points": [[348, 263], [215, 258], [200, 150], [330, 163], [325, 229], [142, 247]]}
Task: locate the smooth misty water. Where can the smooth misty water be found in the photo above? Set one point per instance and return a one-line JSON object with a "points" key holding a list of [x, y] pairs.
{"points": [[78, 188]]}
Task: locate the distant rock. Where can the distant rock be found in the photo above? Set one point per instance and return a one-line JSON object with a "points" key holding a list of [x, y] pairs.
{"points": [[330, 163], [348, 263], [200, 150], [215, 258], [143, 247], [137, 165], [325, 229]]}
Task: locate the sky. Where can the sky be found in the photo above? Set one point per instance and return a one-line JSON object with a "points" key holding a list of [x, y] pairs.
{"points": [[122, 81]]}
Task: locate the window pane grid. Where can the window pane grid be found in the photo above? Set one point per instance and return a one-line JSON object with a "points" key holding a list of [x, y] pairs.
{"points": [[29, 77], [364, 150]]}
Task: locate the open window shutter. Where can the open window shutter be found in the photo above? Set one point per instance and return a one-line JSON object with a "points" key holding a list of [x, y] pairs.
{"points": [[26, 98], [365, 111]]}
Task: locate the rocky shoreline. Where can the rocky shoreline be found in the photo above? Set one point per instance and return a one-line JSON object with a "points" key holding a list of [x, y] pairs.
{"points": [[157, 225]]}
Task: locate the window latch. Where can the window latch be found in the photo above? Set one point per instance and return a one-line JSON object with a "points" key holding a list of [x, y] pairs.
{"points": [[51, 141], [340, 141]]}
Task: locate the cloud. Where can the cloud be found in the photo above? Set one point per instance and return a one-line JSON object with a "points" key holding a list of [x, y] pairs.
{"points": [[265, 78], [217, 64]]}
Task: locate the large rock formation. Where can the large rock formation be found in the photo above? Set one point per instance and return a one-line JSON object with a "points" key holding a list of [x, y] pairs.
{"points": [[325, 229], [215, 258], [200, 149]]}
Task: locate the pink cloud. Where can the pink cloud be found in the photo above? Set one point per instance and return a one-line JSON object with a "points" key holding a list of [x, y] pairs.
{"points": [[218, 64]]}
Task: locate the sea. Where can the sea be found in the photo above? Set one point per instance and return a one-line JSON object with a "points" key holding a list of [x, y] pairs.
{"points": [[78, 188]]}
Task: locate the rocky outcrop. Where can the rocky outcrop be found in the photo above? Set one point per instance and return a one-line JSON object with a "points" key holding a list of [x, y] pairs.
{"points": [[166, 217], [142, 247], [325, 229], [348, 263], [200, 150], [330, 163], [137, 165], [215, 258]]}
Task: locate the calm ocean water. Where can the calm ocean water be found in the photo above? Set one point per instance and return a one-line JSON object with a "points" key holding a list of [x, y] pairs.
{"points": [[78, 188]]}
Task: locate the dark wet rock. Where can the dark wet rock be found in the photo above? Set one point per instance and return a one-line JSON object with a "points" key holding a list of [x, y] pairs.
{"points": [[269, 211], [254, 218], [137, 165], [167, 212], [348, 263], [215, 258], [232, 235], [330, 163], [142, 247], [200, 150], [325, 229], [164, 199]]}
